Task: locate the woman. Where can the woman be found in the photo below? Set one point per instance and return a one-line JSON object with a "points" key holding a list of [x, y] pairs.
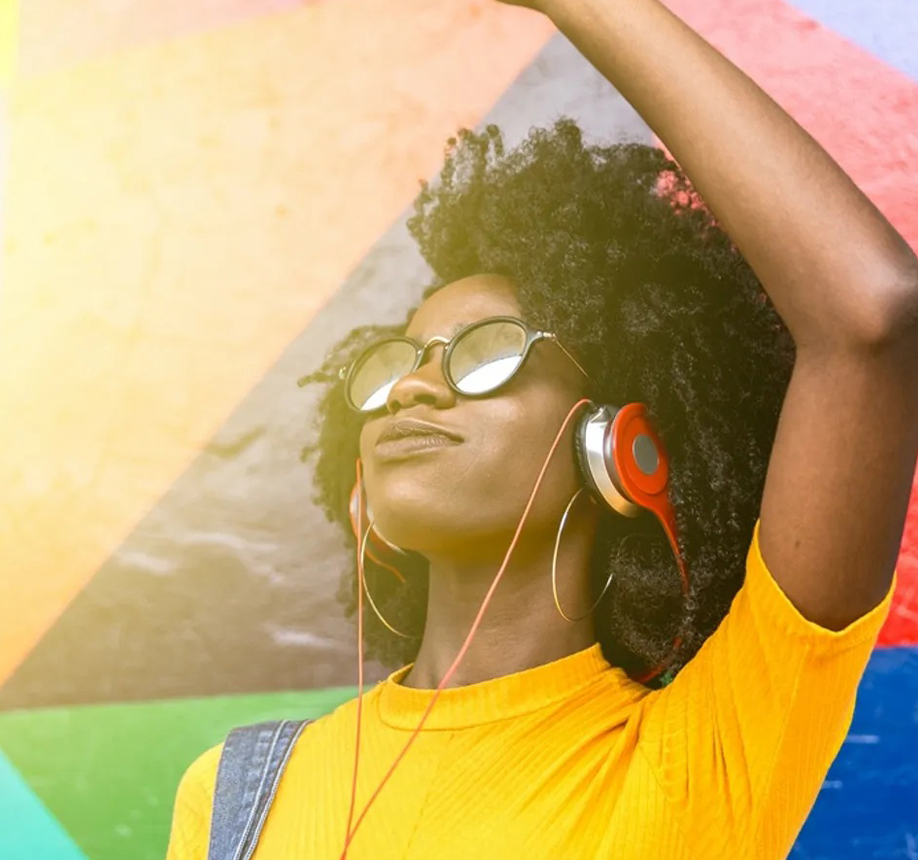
{"points": [[586, 679]]}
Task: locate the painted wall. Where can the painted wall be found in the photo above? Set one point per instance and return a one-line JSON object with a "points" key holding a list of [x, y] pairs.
{"points": [[196, 199]]}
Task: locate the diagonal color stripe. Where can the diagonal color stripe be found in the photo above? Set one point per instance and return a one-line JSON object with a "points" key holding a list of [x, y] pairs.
{"points": [[108, 774], [227, 528], [213, 193], [867, 806], [27, 830], [130, 759], [888, 29]]}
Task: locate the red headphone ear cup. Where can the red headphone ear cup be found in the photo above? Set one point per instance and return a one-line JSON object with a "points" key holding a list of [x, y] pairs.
{"points": [[642, 464], [624, 462], [640, 458], [621, 456], [632, 464], [593, 447]]}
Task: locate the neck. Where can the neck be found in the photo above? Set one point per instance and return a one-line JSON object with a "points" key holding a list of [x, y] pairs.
{"points": [[521, 627]]}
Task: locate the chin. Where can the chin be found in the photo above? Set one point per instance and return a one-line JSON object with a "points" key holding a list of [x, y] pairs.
{"points": [[420, 511], [417, 531], [404, 504]]}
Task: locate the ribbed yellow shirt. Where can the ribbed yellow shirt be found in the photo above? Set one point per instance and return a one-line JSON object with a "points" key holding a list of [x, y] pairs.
{"points": [[572, 759]]}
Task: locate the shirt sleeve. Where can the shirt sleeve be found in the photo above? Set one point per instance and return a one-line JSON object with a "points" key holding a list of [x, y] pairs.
{"points": [[190, 832], [742, 739]]}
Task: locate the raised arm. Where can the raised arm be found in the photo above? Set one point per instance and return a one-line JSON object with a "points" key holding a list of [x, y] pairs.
{"points": [[844, 281]]}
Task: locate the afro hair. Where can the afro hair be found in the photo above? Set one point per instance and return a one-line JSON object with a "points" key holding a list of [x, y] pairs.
{"points": [[611, 248]]}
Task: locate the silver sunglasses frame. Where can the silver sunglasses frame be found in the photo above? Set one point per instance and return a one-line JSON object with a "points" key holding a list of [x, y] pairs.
{"points": [[532, 337]]}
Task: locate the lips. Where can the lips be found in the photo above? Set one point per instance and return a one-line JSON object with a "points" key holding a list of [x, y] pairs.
{"points": [[408, 437], [406, 428]]}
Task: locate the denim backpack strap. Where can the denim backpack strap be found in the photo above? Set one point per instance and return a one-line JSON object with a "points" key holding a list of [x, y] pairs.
{"points": [[251, 765]]}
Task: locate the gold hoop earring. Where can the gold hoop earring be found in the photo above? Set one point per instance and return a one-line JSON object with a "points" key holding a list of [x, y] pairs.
{"points": [[366, 589], [554, 566]]}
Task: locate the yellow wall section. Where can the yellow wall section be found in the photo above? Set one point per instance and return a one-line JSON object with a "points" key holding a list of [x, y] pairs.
{"points": [[175, 215], [61, 33], [9, 26]]}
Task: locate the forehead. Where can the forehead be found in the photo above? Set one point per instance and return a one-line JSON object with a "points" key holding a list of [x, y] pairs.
{"points": [[463, 302]]}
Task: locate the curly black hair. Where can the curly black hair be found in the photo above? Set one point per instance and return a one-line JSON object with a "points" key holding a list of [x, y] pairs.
{"points": [[611, 248]]}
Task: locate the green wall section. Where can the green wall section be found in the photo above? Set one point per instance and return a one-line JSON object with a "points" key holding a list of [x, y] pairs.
{"points": [[108, 773], [27, 829]]}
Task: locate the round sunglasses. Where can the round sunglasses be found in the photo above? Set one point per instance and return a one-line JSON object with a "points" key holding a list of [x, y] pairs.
{"points": [[478, 360]]}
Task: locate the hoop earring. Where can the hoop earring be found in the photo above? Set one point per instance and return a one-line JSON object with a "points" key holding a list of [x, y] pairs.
{"points": [[554, 566], [366, 589]]}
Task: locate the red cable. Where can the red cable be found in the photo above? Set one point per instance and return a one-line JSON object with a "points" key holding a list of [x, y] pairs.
{"points": [[462, 651], [350, 814]]}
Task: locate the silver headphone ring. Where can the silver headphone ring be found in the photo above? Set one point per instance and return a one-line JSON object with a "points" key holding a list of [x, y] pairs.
{"points": [[595, 456]]}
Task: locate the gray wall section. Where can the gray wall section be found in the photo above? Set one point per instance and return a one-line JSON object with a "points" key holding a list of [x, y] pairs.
{"points": [[229, 584]]}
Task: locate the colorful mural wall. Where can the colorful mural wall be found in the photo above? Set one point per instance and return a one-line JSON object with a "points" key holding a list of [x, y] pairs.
{"points": [[197, 199]]}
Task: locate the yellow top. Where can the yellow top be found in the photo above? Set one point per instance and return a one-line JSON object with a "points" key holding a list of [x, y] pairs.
{"points": [[573, 759]]}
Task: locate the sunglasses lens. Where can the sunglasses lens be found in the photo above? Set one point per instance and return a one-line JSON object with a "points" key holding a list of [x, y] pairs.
{"points": [[485, 357], [377, 371]]}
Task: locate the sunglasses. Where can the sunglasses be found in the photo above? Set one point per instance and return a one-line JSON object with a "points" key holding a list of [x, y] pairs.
{"points": [[478, 360]]}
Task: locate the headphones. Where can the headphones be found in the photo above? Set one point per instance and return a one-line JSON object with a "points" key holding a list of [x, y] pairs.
{"points": [[625, 467], [623, 464]]}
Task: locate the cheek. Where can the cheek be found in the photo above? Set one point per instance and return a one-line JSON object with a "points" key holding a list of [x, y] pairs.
{"points": [[484, 484], [509, 464]]}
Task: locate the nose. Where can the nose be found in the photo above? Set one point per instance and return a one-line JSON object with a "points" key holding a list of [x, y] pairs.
{"points": [[426, 386]]}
